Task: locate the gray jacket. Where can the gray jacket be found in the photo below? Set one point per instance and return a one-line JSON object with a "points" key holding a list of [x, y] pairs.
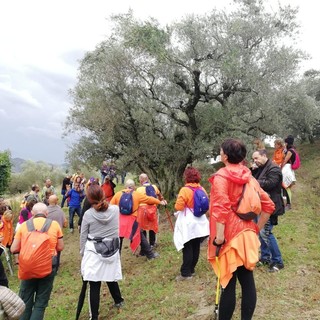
{"points": [[99, 224]]}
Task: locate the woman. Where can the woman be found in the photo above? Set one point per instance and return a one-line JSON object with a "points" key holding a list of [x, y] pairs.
{"points": [[99, 248], [237, 239], [108, 188], [189, 230], [289, 177], [278, 154], [25, 213]]}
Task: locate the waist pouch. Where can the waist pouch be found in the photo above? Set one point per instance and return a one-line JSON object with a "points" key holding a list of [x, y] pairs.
{"points": [[106, 248]]}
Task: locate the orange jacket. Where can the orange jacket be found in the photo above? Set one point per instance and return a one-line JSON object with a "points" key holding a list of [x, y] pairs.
{"points": [[137, 199], [185, 197], [226, 188], [278, 156], [6, 231]]}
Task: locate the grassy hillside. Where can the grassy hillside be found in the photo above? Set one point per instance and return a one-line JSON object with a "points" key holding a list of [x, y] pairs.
{"points": [[151, 291]]}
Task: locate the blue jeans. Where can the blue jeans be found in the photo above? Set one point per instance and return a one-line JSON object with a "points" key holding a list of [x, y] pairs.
{"points": [[72, 211], [36, 294], [269, 245]]}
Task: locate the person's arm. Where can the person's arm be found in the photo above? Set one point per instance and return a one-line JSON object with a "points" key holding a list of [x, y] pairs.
{"points": [[60, 244], [271, 179], [16, 245], [219, 239], [264, 217], [286, 159], [182, 199]]}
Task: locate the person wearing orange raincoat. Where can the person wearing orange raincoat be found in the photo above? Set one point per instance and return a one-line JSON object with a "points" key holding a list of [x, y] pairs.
{"points": [[6, 228], [238, 238]]}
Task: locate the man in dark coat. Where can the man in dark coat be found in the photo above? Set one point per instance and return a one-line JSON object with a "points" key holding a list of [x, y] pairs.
{"points": [[269, 177]]}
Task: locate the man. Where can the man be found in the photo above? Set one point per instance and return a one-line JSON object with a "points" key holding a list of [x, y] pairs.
{"points": [[48, 187], [76, 195], [36, 292], [145, 221], [270, 178], [128, 226], [66, 181], [56, 213]]}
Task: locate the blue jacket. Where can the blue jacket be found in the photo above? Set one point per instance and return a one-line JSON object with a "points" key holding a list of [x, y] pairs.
{"points": [[75, 198]]}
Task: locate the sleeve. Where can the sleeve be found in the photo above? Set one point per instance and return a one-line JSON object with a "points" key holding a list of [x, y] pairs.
{"points": [[143, 198], [220, 203], [267, 204], [84, 234], [271, 180], [181, 200], [59, 231]]}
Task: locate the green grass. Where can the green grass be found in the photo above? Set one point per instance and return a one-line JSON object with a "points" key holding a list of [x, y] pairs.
{"points": [[151, 292]]}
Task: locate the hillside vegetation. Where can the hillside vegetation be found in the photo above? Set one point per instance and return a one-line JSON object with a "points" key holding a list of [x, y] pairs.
{"points": [[151, 291]]}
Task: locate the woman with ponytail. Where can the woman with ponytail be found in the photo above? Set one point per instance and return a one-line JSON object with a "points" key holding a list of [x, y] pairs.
{"points": [[99, 248]]}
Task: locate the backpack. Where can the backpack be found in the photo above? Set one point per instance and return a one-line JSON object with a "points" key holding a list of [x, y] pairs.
{"points": [[249, 204], [297, 163], [35, 257], [200, 201], [126, 203], [150, 191]]}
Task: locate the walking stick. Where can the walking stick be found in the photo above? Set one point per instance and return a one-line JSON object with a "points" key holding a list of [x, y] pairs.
{"points": [[168, 216], [81, 298], [216, 306], [7, 255]]}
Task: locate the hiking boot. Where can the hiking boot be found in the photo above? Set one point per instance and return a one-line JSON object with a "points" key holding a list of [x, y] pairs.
{"points": [[119, 305], [154, 256], [275, 267], [142, 254], [183, 278]]}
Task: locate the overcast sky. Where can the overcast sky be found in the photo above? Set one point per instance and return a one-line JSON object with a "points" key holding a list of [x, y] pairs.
{"points": [[41, 43]]}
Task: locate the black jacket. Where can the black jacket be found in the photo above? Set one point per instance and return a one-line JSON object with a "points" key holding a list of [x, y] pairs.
{"points": [[270, 179]]}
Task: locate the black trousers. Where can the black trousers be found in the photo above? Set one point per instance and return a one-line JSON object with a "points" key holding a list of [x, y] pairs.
{"points": [[3, 278], [249, 295], [95, 296], [152, 237], [190, 251]]}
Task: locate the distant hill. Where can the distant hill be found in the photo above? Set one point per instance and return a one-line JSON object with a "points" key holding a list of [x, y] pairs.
{"points": [[17, 164]]}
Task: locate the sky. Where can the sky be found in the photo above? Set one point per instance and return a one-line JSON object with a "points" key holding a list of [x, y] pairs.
{"points": [[42, 41]]}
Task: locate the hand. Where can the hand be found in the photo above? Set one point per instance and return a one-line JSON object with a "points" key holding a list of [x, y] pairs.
{"points": [[218, 242], [163, 202]]}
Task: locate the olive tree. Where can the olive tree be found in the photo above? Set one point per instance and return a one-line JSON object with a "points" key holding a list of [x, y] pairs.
{"points": [[159, 98]]}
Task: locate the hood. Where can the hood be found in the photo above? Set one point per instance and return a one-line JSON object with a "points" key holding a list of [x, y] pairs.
{"points": [[236, 173], [104, 217]]}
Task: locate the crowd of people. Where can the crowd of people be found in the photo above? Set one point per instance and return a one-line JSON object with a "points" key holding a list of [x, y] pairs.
{"points": [[107, 217]]}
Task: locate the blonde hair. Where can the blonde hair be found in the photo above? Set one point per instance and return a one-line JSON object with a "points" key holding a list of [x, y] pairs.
{"points": [[259, 144]]}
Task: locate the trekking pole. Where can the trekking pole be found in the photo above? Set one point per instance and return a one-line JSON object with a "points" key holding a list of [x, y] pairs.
{"points": [[168, 216], [7, 256], [216, 306]]}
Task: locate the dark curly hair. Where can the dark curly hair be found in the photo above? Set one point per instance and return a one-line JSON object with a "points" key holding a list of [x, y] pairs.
{"points": [[96, 197], [191, 175], [235, 150]]}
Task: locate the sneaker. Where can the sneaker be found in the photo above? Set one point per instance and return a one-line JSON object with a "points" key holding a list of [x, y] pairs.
{"points": [[275, 267], [154, 256], [71, 230], [261, 263], [183, 278], [119, 305]]}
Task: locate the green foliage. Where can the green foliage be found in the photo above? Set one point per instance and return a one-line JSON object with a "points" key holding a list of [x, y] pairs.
{"points": [[160, 98], [35, 173], [5, 171], [151, 291]]}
